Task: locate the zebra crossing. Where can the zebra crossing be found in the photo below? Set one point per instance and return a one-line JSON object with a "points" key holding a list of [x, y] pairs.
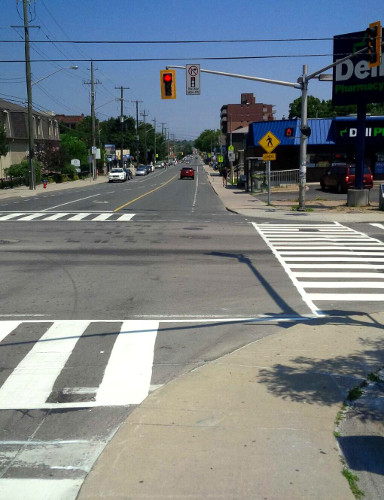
{"points": [[52, 370], [65, 216], [328, 262]]}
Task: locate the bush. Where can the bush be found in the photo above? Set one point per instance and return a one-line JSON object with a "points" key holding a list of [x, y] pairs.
{"points": [[22, 170]]}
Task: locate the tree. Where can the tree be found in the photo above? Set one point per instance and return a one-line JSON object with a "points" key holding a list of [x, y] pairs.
{"points": [[3, 141], [72, 148], [207, 140], [325, 109]]}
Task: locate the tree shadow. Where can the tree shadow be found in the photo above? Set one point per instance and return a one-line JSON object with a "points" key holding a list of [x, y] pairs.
{"points": [[327, 381]]}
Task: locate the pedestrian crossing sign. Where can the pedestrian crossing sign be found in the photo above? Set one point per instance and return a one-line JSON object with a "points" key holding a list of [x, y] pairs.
{"points": [[269, 142]]}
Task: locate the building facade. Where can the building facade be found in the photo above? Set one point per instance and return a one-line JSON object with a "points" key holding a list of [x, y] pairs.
{"points": [[331, 139], [70, 121], [233, 116], [14, 119]]}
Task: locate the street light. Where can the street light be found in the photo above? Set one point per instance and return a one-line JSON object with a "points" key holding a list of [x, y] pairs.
{"points": [[47, 76], [31, 142]]}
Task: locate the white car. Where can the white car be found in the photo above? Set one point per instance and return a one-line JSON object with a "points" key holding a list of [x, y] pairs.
{"points": [[117, 175], [159, 164]]}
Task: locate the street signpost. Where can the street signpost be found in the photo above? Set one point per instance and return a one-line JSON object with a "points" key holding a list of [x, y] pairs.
{"points": [[192, 79], [269, 143], [231, 156]]}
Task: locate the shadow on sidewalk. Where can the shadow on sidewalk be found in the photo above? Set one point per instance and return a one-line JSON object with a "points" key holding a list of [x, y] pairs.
{"points": [[327, 381]]}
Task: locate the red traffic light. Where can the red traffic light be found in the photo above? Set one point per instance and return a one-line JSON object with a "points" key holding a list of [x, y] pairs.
{"points": [[168, 84]]}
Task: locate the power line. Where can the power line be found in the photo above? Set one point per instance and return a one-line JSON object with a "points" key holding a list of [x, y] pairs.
{"points": [[175, 42], [149, 59]]}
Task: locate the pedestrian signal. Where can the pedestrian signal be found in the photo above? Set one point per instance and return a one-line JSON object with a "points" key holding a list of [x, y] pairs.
{"points": [[168, 84], [374, 44], [289, 132]]}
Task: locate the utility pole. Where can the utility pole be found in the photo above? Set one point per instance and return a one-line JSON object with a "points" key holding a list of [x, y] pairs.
{"points": [[137, 131], [122, 122], [93, 122], [144, 115], [31, 142], [154, 126]]}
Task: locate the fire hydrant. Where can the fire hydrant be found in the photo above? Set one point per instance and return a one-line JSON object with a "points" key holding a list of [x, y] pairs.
{"points": [[45, 183]]}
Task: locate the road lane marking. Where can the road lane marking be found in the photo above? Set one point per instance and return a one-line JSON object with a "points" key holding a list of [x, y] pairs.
{"points": [[78, 217], [31, 382], [310, 253], [145, 194], [69, 202], [128, 374], [11, 216]]}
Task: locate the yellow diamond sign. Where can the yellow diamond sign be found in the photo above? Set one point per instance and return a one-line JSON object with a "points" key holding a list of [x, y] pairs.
{"points": [[269, 142]]}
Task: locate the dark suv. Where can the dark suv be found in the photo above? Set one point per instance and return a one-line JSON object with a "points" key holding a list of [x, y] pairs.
{"points": [[341, 176]]}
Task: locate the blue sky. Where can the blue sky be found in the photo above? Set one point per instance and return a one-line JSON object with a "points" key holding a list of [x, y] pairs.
{"points": [[173, 20]]}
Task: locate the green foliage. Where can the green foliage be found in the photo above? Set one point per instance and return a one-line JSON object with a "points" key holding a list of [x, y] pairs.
{"points": [[70, 148], [324, 109], [207, 140], [22, 170], [3, 141], [352, 480]]}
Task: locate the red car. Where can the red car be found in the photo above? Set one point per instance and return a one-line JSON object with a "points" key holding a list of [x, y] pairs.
{"points": [[187, 172], [341, 176]]}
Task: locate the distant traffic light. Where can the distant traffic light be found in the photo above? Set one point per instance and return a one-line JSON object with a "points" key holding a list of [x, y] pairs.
{"points": [[374, 44], [168, 83], [289, 132]]}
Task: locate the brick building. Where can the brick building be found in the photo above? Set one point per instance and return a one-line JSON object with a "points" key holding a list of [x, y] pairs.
{"points": [[233, 116], [71, 121]]}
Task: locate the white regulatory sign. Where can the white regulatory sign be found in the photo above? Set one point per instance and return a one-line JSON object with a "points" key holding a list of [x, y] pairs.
{"points": [[192, 72]]}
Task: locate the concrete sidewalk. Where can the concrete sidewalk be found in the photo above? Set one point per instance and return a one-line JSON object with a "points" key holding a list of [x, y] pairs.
{"points": [[25, 192], [239, 201], [258, 423]]}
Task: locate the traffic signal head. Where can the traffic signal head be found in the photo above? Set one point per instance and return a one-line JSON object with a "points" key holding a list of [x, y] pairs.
{"points": [[374, 44], [289, 132], [168, 84], [306, 131]]}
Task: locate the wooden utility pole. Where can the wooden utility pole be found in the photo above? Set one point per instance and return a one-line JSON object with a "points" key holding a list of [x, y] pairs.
{"points": [[144, 115], [31, 142], [122, 122]]}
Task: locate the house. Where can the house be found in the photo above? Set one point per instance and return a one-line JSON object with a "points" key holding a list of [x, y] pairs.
{"points": [[14, 118]]}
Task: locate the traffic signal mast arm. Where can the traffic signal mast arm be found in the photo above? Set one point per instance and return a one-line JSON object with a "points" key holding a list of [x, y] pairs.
{"points": [[301, 84]]}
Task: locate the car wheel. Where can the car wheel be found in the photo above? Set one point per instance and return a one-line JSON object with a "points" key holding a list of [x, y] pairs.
{"points": [[322, 185]]}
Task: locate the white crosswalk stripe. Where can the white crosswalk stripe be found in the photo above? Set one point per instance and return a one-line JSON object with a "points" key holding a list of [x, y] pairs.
{"points": [[320, 258], [65, 216], [126, 378]]}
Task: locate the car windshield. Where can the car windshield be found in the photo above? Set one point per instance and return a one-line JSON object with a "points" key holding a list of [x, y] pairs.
{"points": [[117, 170], [141, 168]]}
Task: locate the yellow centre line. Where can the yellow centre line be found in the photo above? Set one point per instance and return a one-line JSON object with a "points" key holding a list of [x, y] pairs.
{"points": [[145, 194]]}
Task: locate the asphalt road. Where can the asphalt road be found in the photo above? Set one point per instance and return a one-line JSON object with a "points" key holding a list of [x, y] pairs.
{"points": [[111, 291]]}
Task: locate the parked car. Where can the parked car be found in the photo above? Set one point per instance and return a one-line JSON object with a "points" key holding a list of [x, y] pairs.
{"points": [[142, 170], [159, 164], [117, 175], [187, 172], [151, 168], [341, 176]]}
